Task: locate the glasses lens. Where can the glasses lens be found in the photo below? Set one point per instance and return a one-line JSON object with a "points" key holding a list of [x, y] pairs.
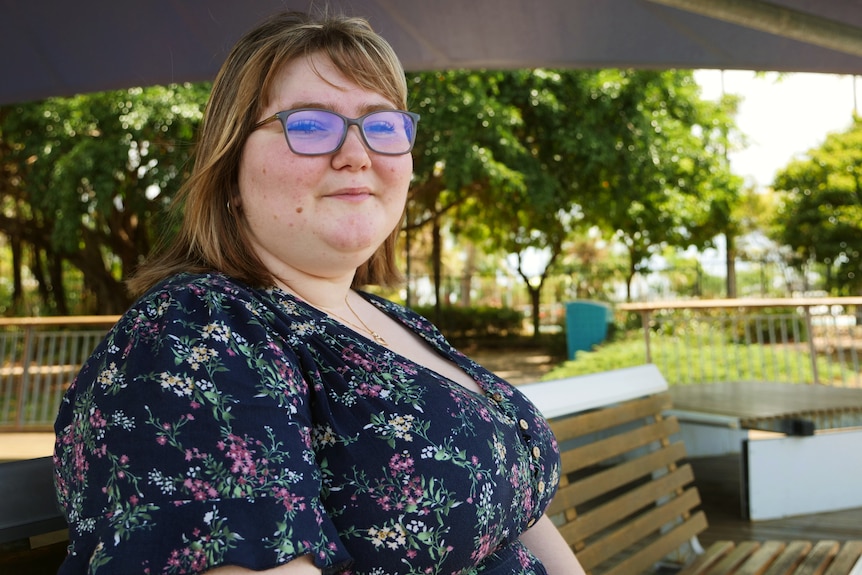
{"points": [[390, 132], [314, 131]]}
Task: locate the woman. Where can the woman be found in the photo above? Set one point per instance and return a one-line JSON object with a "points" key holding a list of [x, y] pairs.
{"points": [[254, 411]]}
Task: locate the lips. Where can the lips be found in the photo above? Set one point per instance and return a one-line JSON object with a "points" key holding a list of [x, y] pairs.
{"points": [[352, 193]]}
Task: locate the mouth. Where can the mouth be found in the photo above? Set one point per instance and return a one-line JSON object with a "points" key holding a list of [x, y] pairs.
{"points": [[354, 194]]}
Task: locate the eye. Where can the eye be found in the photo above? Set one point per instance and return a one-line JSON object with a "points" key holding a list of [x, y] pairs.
{"points": [[305, 127], [379, 127]]}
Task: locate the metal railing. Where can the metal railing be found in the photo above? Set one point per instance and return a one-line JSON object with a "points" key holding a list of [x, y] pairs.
{"points": [[798, 340], [39, 357], [816, 340]]}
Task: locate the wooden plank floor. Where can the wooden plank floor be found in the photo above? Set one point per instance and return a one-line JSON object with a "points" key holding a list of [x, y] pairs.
{"points": [[718, 480]]}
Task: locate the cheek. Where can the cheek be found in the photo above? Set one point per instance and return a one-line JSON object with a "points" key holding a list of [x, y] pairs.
{"points": [[401, 172]]}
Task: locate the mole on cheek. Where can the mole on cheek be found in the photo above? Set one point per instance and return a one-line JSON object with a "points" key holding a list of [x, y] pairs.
{"points": [[299, 210]]}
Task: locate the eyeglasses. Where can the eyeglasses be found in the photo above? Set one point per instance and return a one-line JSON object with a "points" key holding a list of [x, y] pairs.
{"points": [[316, 132]]}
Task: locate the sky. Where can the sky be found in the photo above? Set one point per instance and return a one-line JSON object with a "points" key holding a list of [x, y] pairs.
{"points": [[782, 116]]}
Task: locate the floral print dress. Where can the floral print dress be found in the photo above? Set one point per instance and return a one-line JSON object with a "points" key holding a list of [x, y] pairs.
{"points": [[218, 424]]}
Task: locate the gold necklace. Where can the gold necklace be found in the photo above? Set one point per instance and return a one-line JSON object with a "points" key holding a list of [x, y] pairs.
{"points": [[376, 336]]}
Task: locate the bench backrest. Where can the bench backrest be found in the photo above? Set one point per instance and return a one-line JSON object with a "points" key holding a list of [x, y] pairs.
{"points": [[626, 500]]}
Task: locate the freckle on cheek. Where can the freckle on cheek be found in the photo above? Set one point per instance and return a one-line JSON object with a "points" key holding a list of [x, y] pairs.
{"points": [[299, 210]]}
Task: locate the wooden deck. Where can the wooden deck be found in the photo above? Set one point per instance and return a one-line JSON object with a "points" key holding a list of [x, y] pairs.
{"points": [[718, 480]]}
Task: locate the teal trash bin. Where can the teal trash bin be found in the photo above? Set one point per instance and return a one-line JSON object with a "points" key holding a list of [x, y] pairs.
{"points": [[586, 325]]}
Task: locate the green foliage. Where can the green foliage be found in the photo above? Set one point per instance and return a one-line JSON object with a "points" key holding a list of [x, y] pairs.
{"points": [[608, 356], [459, 323], [93, 175], [524, 161], [820, 216]]}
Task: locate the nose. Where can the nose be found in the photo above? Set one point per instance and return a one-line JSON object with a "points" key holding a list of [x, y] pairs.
{"points": [[353, 151]]}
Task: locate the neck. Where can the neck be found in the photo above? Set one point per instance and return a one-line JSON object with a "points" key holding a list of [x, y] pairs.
{"points": [[318, 292]]}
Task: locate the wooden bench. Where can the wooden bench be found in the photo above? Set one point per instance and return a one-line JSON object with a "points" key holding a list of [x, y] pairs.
{"points": [[627, 503]]}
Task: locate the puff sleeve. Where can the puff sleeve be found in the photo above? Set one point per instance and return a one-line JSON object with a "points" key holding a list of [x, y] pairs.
{"points": [[185, 441]]}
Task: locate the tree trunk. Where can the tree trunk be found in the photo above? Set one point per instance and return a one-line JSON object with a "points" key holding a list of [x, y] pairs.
{"points": [[437, 266], [467, 276], [535, 301], [730, 255], [17, 266], [58, 288]]}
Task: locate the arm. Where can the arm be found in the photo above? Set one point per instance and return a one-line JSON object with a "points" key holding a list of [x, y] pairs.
{"points": [[546, 543]]}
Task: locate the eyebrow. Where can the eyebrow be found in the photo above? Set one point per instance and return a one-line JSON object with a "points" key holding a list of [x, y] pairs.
{"points": [[362, 111]]}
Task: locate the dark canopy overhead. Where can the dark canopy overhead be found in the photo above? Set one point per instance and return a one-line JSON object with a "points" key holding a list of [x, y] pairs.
{"points": [[62, 47]]}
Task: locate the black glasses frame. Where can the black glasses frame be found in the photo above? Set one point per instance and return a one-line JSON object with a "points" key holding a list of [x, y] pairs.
{"points": [[285, 114]]}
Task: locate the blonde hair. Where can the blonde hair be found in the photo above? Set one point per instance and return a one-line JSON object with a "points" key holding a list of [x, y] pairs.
{"points": [[212, 235]]}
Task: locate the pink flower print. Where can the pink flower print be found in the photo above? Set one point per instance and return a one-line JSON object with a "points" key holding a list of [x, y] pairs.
{"points": [[239, 452], [349, 355], [200, 490], [383, 496], [97, 420], [407, 368], [80, 462], [291, 501], [412, 492], [401, 463], [483, 549], [483, 412], [369, 390]]}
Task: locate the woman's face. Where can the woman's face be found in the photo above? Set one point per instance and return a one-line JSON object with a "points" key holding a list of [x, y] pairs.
{"points": [[319, 216]]}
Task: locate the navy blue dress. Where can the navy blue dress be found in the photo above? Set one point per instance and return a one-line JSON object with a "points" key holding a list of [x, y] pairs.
{"points": [[218, 424]]}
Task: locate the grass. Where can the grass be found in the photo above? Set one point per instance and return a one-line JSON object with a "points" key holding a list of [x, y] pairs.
{"points": [[683, 363]]}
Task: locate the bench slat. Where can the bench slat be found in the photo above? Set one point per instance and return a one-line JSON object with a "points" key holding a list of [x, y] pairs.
{"points": [[761, 559], [645, 528], [602, 449], [790, 558], [660, 548], [735, 558], [706, 560], [611, 416], [850, 555], [816, 562], [595, 520], [582, 490]]}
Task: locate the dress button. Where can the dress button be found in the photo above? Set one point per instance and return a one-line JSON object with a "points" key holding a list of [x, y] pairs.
{"points": [[541, 486], [536, 452], [524, 425], [497, 396]]}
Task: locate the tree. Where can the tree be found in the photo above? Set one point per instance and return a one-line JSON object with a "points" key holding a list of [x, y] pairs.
{"points": [[88, 179], [523, 160], [666, 181], [820, 216], [456, 167]]}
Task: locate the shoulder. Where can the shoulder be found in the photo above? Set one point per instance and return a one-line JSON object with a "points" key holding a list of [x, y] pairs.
{"points": [[191, 297], [211, 306]]}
